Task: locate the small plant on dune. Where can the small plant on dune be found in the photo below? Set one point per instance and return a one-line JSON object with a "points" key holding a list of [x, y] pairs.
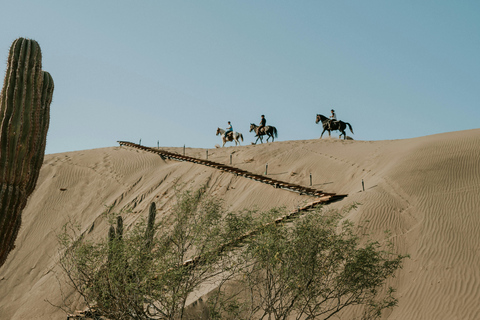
{"points": [[311, 267]]}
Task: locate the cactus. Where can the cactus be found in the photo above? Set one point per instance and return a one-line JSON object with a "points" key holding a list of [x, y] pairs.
{"points": [[24, 117], [111, 239], [150, 226], [119, 234], [115, 238]]}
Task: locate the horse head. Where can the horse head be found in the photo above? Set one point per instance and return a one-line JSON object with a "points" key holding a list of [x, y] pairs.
{"points": [[252, 127], [320, 118], [218, 132]]}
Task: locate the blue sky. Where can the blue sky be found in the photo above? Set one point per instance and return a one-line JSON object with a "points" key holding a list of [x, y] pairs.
{"points": [[174, 71]]}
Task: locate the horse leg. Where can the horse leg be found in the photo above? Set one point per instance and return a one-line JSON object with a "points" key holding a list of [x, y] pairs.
{"points": [[322, 133]]}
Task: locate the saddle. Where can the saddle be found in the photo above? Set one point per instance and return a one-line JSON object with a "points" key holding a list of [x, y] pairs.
{"points": [[229, 135], [333, 123], [262, 130]]}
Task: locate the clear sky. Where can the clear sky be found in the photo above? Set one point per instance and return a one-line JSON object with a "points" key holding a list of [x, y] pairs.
{"points": [[174, 71]]}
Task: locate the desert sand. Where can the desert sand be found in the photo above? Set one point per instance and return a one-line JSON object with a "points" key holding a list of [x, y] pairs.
{"points": [[425, 190]]}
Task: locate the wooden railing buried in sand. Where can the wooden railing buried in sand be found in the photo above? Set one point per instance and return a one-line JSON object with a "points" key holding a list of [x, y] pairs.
{"points": [[236, 171]]}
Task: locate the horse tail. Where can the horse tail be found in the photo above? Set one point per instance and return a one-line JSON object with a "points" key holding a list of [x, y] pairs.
{"points": [[241, 136], [349, 126], [274, 131]]}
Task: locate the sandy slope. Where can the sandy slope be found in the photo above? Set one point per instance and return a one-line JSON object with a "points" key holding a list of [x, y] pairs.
{"points": [[426, 191]]}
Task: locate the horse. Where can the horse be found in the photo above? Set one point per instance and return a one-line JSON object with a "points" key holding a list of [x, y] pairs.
{"points": [[230, 137], [335, 125], [270, 131]]}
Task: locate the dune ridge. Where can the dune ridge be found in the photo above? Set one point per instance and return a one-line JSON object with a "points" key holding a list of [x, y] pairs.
{"points": [[425, 190]]}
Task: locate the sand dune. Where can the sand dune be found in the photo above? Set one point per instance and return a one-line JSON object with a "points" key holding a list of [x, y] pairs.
{"points": [[426, 191]]}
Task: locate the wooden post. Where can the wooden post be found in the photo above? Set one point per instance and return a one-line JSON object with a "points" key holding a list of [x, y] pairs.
{"points": [[363, 185], [140, 142], [183, 149], [266, 169], [230, 159], [158, 143], [310, 179], [207, 154]]}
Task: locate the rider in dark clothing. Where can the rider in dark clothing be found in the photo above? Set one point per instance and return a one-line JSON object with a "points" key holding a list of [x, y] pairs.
{"points": [[263, 122]]}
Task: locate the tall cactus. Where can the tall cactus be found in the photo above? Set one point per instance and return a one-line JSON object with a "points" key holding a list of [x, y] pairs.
{"points": [[24, 117]]}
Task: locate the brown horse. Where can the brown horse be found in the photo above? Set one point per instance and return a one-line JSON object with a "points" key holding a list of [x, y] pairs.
{"points": [[269, 131], [234, 136], [332, 126]]}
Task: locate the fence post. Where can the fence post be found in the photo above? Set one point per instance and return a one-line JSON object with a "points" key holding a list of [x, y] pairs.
{"points": [[207, 154], [230, 159], [266, 169], [363, 185], [310, 179]]}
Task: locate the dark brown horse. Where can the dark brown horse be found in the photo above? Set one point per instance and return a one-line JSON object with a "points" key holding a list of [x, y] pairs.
{"points": [[334, 125], [270, 131]]}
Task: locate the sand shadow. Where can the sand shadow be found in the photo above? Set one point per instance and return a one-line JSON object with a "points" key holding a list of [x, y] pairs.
{"points": [[276, 174], [322, 184]]}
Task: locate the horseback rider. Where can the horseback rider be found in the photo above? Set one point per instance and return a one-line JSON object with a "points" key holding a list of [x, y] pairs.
{"points": [[263, 122], [333, 119], [228, 130]]}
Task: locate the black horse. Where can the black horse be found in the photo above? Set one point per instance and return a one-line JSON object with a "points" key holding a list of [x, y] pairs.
{"points": [[335, 125], [270, 131]]}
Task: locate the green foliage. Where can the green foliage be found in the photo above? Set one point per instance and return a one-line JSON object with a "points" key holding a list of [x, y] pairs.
{"points": [[136, 283], [24, 118], [313, 267], [310, 269]]}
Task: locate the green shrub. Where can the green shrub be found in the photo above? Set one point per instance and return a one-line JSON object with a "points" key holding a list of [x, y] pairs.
{"points": [[312, 267]]}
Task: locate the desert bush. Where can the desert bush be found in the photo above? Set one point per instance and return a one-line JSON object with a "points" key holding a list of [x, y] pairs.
{"points": [[136, 275], [310, 268]]}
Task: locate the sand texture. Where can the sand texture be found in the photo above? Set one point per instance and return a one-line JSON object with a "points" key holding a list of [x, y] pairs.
{"points": [[426, 191]]}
